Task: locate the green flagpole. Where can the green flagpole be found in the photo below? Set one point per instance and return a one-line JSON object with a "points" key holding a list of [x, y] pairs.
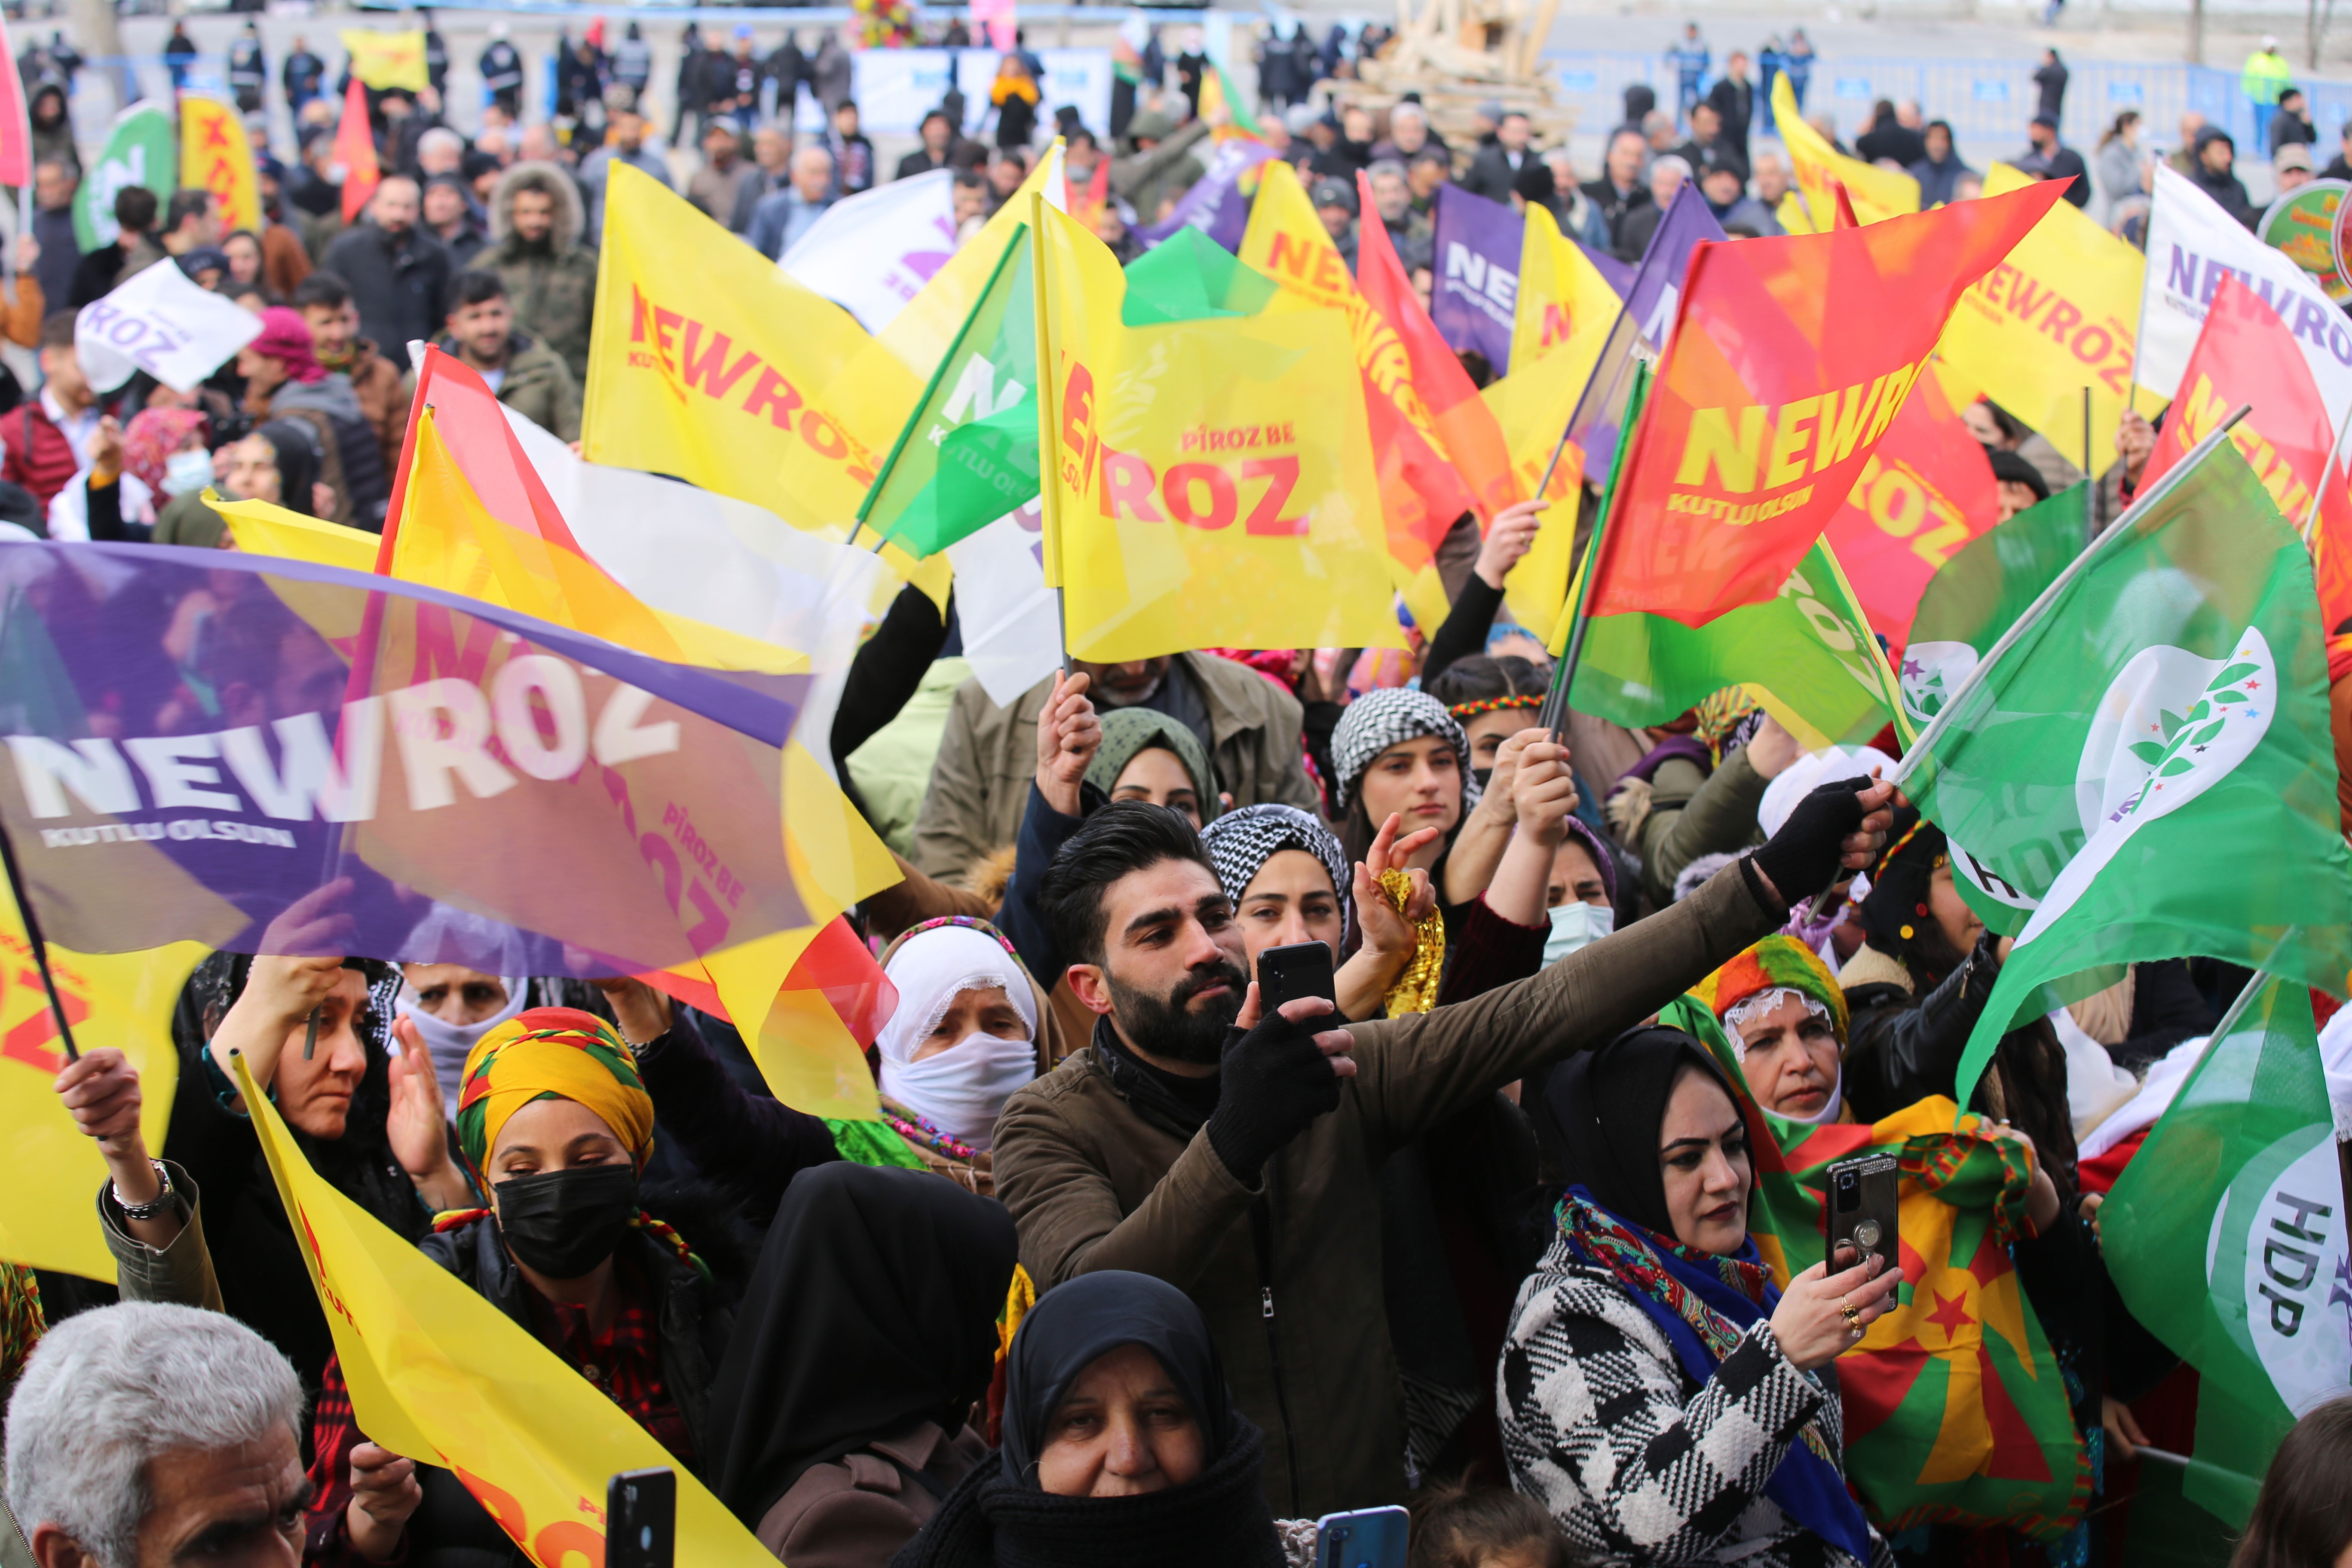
{"points": [[1563, 670]]}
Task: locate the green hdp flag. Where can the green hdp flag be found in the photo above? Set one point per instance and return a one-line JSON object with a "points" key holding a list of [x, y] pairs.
{"points": [[141, 150], [969, 453], [1974, 597], [1810, 652], [2226, 1235], [2164, 715], [1956, 1411]]}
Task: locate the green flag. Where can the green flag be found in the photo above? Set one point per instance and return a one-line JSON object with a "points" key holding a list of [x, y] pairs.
{"points": [[1810, 652], [969, 454], [2225, 1235], [1974, 597], [139, 150], [2167, 711]]}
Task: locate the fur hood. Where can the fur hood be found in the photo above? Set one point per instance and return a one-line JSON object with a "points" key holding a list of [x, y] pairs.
{"points": [[570, 220]]}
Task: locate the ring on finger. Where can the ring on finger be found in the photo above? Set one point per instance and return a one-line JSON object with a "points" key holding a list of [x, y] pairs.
{"points": [[1850, 1312]]}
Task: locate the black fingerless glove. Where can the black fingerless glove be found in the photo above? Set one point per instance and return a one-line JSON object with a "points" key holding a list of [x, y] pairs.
{"points": [[1275, 1081], [1802, 857]]}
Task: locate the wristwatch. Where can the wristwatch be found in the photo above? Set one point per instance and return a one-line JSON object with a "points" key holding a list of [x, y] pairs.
{"points": [[162, 1203]]}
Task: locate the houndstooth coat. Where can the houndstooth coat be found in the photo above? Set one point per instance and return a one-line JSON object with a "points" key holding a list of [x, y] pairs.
{"points": [[1641, 1466]]}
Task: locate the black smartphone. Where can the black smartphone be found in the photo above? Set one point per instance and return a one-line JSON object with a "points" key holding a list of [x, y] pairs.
{"points": [[1863, 1198], [641, 1519], [1287, 973]]}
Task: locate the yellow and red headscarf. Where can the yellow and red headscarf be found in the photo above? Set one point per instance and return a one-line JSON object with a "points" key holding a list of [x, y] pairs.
{"points": [[553, 1053], [1776, 964]]}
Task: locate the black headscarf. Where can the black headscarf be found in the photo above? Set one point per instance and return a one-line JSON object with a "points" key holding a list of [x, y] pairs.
{"points": [[998, 1517], [297, 462], [875, 1306], [1895, 917], [1075, 1324], [1607, 1106]]}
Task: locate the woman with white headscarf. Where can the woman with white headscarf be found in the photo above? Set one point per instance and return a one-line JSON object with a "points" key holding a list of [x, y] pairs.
{"points": [[964, 1037]]}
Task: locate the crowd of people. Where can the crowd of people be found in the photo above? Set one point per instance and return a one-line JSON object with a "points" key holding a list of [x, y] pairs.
{"points": [[1476, 1230]]}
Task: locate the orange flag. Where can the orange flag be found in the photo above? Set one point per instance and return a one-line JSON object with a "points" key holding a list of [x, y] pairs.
{"points": [[1472, 439], [355, 150], [1789, 359], [1421, 493], [1925, 493]]}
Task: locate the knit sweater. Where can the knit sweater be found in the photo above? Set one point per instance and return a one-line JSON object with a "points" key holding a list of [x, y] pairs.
{"points": [[1602, 1426]]}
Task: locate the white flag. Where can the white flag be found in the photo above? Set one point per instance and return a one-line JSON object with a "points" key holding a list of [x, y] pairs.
{"points": [[164, 324], [872, 252], [1012, 627], [720, 561], [2192, 245]]}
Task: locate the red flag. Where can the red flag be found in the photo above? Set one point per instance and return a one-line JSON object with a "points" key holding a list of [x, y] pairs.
{"points": [[1461, 417], [474, 427], [15, 124], [355, 150], [1789, 359], [835, 967], [1926, 492]]}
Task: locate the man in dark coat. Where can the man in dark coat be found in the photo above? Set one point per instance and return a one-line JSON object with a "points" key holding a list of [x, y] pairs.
{"points": [[2052, 160], [1734, 98], [1496, 168], [399, 275]]}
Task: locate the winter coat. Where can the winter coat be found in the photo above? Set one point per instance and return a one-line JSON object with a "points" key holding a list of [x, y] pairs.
{"points": [[401, 289], [553, 285], [1145, 179], [382, 396], [1638, 1464], [1287, 1269], [1683, 811], [988, 757], [598, 166], [351, 453]]}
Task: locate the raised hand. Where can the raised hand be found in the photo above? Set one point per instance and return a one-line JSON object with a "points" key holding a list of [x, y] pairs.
{"points": [[1508, 537], [1544, 789], [385, 1492], [1069, 736]]}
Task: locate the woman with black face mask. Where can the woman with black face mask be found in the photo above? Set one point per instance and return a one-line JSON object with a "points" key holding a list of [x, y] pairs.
{"points": [[554, 1121]]}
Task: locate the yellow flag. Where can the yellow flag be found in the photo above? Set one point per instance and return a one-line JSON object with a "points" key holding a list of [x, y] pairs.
{"points": [[709, 363], [1212, 482], [1533, 404], [262, 528], [49, 1171], [2060, 315], [1876, 193], [440, 1375], [388, 60], [1561, 293], [215, 156]]}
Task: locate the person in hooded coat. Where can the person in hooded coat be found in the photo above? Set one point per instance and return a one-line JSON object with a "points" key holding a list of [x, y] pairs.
{"points": [[865, 1339], [1062, 1493], [550, 276], [1661, 1397]]}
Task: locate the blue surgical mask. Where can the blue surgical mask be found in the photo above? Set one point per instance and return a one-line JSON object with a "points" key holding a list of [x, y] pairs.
{"points": [[184, 473], [1573, 925]]}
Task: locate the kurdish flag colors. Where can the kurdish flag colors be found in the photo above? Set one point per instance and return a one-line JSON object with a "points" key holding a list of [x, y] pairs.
{"points": [[2225, 1234], [2144, 767], [1955, 1408]]}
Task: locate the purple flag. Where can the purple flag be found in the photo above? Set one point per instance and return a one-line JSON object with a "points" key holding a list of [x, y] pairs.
{"points": [[1475, 252], [1658, 280], [1216, 204], [1650, 299], [191, 757]]}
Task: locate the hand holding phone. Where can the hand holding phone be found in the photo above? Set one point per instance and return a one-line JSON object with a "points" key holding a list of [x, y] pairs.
{"points": [[1287, 973], [1865, 1199]]}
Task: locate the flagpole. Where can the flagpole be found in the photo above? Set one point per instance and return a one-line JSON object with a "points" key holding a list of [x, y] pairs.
{"points": [[1554, 716], [2335, 453], [40, 944], [1049, 485], [2075, 568]]}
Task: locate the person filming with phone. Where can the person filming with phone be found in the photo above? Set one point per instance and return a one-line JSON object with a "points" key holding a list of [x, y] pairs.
{"points": [[1662, 1398], [1234, 1152]]}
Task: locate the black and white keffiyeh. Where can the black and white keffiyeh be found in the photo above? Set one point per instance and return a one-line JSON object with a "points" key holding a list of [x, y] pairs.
{"points": [[1240, 842], [1388, 717]]}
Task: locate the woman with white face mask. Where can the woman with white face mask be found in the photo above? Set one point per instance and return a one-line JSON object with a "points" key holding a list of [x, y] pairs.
{"points": [[963, 1038], [451, 1008], [1581, 896]]}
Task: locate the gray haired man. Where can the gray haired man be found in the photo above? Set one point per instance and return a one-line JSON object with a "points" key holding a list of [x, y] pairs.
{"points": [[146, 1436]]}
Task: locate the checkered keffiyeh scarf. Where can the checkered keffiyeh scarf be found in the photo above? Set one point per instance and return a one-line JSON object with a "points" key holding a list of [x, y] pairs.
{"points": [[1240, 842], [1390, 716]]}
